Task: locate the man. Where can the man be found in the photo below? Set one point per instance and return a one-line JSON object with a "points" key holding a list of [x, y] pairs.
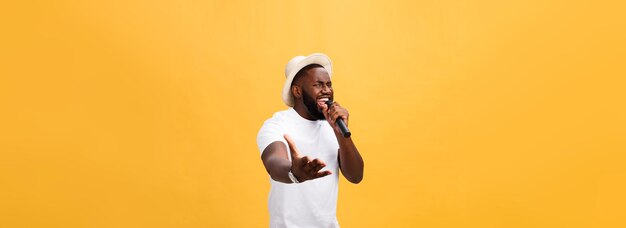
{"points": [[303, 149]]}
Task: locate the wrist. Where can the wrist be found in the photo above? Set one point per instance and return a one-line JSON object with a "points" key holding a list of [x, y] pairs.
{"points": [[340, 138], [293, 177]]}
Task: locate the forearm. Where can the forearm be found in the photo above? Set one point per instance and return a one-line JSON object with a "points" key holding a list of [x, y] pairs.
{"points": [[277, 162], [278, 169], [350, 160]]}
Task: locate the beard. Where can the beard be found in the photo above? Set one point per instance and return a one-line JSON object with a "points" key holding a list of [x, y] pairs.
{"points": [[311, 106]]}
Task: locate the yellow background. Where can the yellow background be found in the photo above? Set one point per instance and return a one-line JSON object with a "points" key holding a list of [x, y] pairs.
{"points": [[467, 113]]}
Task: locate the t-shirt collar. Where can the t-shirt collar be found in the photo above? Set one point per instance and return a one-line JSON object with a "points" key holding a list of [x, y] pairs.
{"points": [[296, 116]]}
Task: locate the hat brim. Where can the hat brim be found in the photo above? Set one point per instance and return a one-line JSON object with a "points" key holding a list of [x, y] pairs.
{"points": [[316, 58]]}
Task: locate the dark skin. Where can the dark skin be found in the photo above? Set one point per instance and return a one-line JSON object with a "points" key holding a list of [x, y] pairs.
{"points": [[316, 84]]}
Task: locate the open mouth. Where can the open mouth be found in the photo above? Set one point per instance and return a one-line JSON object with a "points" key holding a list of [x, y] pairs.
{"points": [[321, 101]]}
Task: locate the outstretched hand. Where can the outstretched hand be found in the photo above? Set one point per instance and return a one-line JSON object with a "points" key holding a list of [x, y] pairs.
{"points": [[303, 167]]}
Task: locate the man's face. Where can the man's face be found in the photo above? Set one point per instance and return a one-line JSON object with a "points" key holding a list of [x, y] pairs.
{"points": [[316, 88]]}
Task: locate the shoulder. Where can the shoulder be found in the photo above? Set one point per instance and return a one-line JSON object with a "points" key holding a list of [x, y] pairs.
{"points": [[278, 117], [272, 130], [276, 122]]}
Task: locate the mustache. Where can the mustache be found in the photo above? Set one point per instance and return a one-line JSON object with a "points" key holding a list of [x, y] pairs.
{"points": [[311, 105]]}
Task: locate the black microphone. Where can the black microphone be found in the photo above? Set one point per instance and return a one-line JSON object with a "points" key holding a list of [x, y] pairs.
{"points": [[342, 125]]}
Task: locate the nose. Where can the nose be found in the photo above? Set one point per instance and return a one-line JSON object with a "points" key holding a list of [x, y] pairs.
{"points": [[326, 89]]}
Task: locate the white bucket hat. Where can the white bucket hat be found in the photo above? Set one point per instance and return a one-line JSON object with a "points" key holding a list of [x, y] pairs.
{"points": [[296, 64]]}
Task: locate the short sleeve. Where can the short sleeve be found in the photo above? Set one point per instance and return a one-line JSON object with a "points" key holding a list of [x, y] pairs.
{"points": [[270, 132]]}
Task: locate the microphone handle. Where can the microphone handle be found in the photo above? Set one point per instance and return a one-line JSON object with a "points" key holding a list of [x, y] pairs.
{"points": [[342, 125], [344, 129]]}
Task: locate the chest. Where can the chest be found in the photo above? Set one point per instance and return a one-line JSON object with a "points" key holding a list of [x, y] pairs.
{"points": [[315, 140]]}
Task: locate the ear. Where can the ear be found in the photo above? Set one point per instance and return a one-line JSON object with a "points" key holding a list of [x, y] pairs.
{"points": [[296, 91]]}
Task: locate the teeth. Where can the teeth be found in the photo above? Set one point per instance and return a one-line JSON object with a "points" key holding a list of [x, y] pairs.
{"points": [[324, 99]]}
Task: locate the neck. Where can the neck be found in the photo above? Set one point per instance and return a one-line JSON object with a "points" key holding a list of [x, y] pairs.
{"points": [[302, 111]]}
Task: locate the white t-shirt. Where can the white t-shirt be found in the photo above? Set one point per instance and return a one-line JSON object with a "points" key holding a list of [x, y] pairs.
{"points": [[312, 203]]}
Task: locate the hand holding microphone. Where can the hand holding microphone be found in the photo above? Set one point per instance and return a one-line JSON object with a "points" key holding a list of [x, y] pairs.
{"points": [[337, 115]]}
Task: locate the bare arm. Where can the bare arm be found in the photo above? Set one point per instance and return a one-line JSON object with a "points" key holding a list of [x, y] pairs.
{"points": [[350, 160], [278, 165], [276, 161]]}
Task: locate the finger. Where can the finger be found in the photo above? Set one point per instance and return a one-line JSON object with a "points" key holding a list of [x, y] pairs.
{"points": [[340, 116], [339, 113], [324, 107], [305, 161], [325, 110], [323, 174], [316, 165], [335, 107], [311, 166], [330, 115], [338, 109], [335, 116], [317, 168], [292, 147], [330, 108], [318, 162]]}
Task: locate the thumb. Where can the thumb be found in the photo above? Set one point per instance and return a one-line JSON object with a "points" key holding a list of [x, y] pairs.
{"points": [[325, 110], [292, 147]]}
